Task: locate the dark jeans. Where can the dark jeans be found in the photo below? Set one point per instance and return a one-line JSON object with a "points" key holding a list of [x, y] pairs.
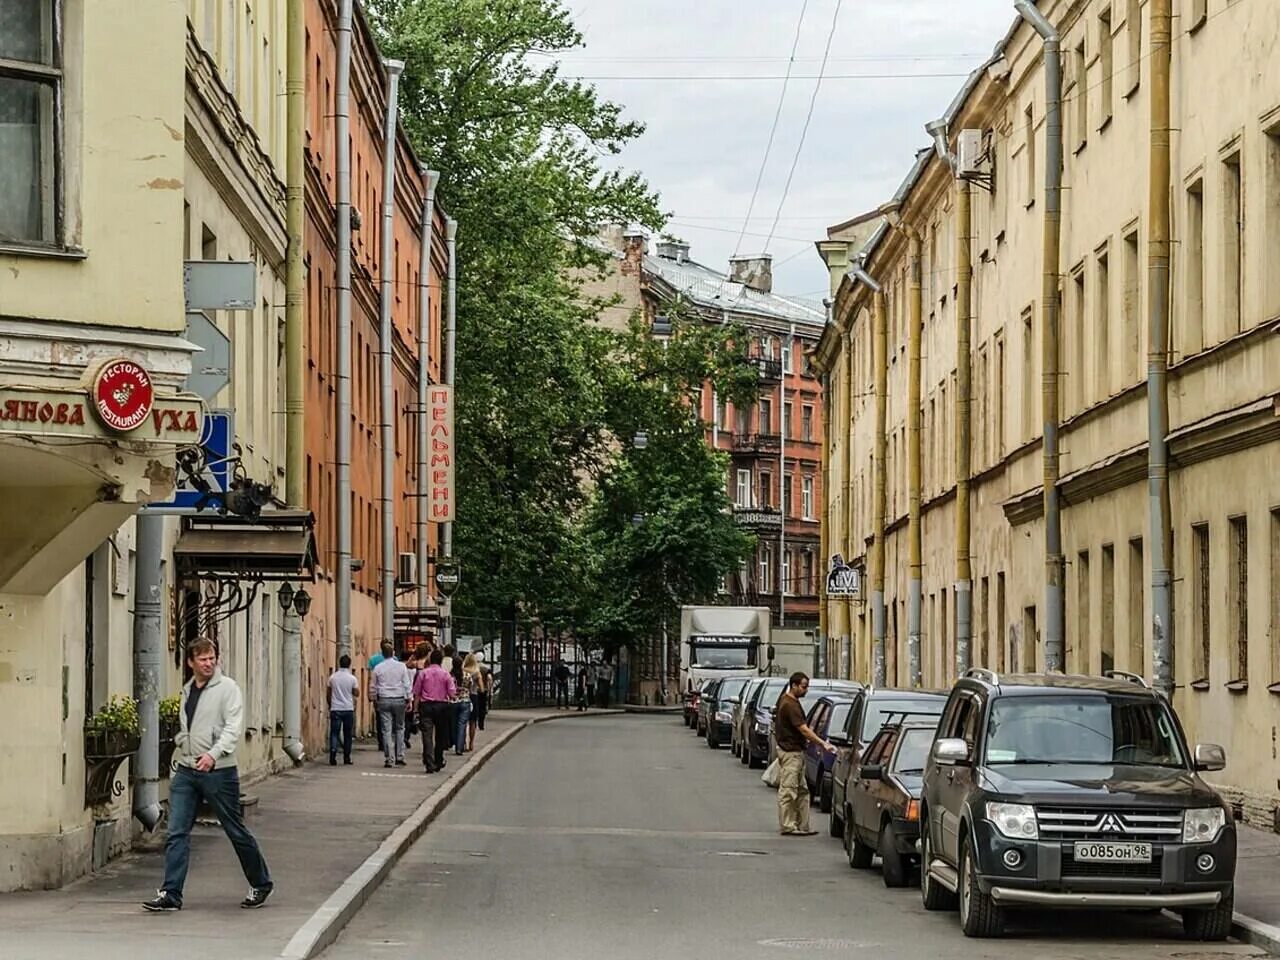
{"points": [[479, 707], [341, 723], [461, 720], [433, 718], [221, 788], [562, 693]]}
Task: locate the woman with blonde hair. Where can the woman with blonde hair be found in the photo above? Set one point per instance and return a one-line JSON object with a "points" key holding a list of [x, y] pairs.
{"points": [[470, 691]]}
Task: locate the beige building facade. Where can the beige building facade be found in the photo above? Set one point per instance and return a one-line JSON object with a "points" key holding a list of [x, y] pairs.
{"points": [[1224, 394]]}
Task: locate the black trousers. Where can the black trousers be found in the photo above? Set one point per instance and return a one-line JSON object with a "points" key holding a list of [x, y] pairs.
{"points": [[437, 734], [562, 693]]}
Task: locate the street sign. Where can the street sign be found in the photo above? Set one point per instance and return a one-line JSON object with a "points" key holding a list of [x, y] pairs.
{"points": [[843, 580], [758, 520], [216, 440], [211, 367], [448, 575], [220, 284]]}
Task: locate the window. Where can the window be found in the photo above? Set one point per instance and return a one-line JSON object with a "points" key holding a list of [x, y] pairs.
{"points": [[1106, 63], [1077, 381], [1082, 95], [786, 420], [1132, 308], [1030, 638], [1134, 29], [806, 423], [1238, 600], [1102, 327], [1200, 606], [1078, 659], [766, 348], [1271, 220], [742, 416], [1107, 625], [999, 661], [1029, 155], [787, 587], [985, 655], [787, 498], [30, 90], [766, 416], [1193, 324], [1029, 392], [763, 585], [1275, 601], [766, 489], [1232, 244], [806, 497], [786, 355], [742, 496], [983, 423], [1137, 659]]}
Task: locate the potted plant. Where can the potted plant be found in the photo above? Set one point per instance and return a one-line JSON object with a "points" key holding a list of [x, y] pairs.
{"points": [[114, 730], [169, 725]]}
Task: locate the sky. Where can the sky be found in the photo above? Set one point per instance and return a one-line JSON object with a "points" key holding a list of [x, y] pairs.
{"points": [[706, 77]]}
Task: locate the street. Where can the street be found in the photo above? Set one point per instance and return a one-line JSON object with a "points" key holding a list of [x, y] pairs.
{"points": [[625, 837]]}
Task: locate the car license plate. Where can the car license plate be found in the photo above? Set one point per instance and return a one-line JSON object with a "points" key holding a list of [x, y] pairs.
{"points": [[1101, 852]]}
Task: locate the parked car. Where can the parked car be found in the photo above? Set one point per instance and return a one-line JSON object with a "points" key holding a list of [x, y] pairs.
{"points": [[829, 712], [704, 705], [691, 698], [741, 711], [1060, 791], [758, 722], [871, 708], [884, 801], [817, 688], [720, 712]]}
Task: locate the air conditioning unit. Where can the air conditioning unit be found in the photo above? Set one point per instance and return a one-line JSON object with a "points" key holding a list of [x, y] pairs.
{"points": [[407, 570], [969, 154]]}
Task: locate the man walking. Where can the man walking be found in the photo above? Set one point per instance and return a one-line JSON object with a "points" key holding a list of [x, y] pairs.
{"points": [[433, 691], [561, 675], [391, 695], [790, 731], [210, 721], [344, 688]]}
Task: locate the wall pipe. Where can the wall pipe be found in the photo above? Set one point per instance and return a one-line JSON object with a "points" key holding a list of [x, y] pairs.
{"points": [[1158, 241], [1055, 562], [878, 612], [847, 538], [430, 178], [450, 366], [783, 485], [964, 425], [148, 596], [342, 133], [387, 411], [915, 588]]}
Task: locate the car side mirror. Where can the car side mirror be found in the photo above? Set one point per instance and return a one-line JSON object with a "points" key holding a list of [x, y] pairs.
{"points": [[951, 751], [871, 771], [1210, 756]]}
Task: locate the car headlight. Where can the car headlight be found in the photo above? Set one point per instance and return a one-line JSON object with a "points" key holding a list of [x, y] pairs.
{"points": [[721, 715], [1202, 826], [1017, 821]]}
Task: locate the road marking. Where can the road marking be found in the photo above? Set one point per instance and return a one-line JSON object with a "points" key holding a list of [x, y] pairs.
{"points": [[607, 832]]}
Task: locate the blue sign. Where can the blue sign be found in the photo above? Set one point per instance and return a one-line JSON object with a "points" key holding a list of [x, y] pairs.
{"points": [[216, 441]]}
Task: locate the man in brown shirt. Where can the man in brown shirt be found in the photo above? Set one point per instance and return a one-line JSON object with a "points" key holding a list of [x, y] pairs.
{"points": [[790, 731]]}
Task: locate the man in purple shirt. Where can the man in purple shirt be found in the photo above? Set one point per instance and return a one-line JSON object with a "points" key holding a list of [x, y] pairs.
{"points": [[433, 689]]}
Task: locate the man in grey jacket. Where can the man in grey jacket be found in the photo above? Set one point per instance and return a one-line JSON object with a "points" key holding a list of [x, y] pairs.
{"points": [[210, 722]]}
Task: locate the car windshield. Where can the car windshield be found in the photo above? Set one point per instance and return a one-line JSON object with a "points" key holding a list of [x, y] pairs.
{"points": [[914, 749], [731, 688], [770, 693], [723, 656], [1073, 729], [877, 711]]}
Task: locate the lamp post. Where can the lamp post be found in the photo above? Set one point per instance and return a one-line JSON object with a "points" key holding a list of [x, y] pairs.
{"points": [[294, 605]]}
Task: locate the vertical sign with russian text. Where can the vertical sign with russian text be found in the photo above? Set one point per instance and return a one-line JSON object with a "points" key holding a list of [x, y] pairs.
{"points": [[441, 452]]}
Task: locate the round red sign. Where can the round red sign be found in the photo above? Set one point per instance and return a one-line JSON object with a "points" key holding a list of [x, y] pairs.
{"points": [[122, 395]]}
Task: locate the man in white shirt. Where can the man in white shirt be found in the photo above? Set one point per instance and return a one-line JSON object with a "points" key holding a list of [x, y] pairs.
{"points": [[390, 695], [344, 688]]}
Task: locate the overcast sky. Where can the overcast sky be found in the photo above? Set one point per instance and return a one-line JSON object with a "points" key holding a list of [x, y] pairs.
{"points": [[706, 135]]}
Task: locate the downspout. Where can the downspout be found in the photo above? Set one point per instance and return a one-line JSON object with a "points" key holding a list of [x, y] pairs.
{"points": [[430, 178], [915, 585], [847, 642], [342, 133], [877, 557], [147, 652], [386, 428], [295, 279], [783, 486], [1158, 241], [824, 519], [450, 366], [1055, 563], [964, 428]]}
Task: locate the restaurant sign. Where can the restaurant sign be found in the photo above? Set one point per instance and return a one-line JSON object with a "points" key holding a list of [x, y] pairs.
{"points": [[441, 452], [76, 414]]}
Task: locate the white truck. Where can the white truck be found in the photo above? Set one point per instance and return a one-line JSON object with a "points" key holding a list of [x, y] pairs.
{"points": [[722, 642]]}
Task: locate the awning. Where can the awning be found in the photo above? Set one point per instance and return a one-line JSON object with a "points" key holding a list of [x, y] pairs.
{"points": [[279, 545]]}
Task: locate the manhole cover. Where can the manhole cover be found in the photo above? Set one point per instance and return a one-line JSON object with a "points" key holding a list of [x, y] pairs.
{"points": [[809, 943], [742, 853]]}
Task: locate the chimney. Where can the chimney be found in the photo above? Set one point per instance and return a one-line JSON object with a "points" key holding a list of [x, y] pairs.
{"points": [[755, 272], [676, 250], [635, 245]]}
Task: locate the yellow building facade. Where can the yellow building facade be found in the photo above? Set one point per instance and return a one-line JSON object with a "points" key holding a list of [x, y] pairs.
{"points": [[1224, 392]]}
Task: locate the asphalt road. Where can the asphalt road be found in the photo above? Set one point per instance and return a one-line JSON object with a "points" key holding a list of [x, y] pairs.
{"points": [[613, 838]]}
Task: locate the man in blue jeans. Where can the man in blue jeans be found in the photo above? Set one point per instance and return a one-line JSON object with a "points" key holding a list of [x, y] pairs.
{"points": [[210, 722], [344, 688]]}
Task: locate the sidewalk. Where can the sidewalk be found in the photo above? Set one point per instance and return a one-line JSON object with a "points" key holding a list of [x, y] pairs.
{"points": [[317, 825], [1258, 887]]}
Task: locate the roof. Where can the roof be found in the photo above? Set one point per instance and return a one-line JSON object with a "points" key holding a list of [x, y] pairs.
{"points": [[713, 290], [1028, 682]]}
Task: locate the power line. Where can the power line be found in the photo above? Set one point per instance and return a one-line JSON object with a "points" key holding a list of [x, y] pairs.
{"points": [[948, 75], [773, 129], [786, 189]]}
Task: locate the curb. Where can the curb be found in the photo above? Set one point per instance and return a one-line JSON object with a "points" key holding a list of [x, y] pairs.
{"points": [[1249, 930], [323, 927], [658, 708]]}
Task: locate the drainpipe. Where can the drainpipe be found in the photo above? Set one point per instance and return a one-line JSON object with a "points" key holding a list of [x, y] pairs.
{"points": [[431, 178], [342, 133], [294, 322], [783, 486], [915, 586], [147, 651], [450, 366], [386, 428], [1158, 237], [964, 427], [824, 471], [1055, 562], [847, 536]]}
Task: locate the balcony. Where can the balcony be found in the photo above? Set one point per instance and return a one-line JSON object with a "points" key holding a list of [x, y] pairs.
{"points": [[770, 370], [757, 443]]}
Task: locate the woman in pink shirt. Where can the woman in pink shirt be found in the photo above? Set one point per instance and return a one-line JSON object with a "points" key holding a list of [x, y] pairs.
{"points": [[433, 689]]}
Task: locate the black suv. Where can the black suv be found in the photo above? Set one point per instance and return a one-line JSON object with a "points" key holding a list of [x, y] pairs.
{"points": [[1059, 791]]}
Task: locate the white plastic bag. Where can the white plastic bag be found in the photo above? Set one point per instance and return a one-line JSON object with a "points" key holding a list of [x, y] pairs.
{"points": [[772, 773]]}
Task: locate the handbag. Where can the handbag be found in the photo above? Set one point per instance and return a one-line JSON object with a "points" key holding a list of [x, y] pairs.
{"points": [[772, 774]]}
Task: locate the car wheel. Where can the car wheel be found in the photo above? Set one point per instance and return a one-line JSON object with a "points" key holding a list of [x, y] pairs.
{"points": [[744, 752], [835, 826], [933, 895], [1213, 923], [753, 762], [824, 793], [980, 916], [893, 867], [859, 853], [712, 741]]}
